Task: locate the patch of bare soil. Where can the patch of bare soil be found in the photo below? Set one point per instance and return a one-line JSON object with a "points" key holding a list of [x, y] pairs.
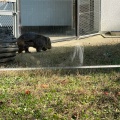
{"points": [[90, 41]]}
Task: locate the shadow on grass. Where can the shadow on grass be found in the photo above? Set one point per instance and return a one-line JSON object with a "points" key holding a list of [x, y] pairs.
{"points": [[102, 55], [62, 57]]}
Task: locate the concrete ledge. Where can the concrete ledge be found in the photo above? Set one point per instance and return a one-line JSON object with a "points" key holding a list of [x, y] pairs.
{"points": [[111, 34]]}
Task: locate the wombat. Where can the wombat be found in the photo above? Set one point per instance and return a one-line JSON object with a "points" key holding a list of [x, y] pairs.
{"points": [[31, 39]]}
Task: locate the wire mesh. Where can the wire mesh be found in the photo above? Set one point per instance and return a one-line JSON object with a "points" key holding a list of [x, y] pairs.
{"points": [[89, 11], [5, 6], [6, 21]]}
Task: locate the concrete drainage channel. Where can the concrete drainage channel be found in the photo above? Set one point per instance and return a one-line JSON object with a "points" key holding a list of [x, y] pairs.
{"points": [[111, 34], [8, 45]]}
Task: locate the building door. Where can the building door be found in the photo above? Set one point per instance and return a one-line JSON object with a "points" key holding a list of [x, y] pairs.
{"points": [[9, 16], [88, 21]]}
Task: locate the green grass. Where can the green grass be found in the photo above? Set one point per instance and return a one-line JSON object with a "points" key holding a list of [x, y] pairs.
{"points": [[92, 94]]}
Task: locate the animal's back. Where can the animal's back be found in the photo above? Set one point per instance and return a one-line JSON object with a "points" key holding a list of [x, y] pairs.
{"points": [[29, 36]]}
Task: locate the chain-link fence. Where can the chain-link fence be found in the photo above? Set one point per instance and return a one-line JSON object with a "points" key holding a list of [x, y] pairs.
{"points": [[89, 17], [6, 20], [8, 25], [9, 16]]}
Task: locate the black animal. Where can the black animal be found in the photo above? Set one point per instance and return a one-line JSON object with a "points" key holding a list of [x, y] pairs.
{"points": [[31, 39]]}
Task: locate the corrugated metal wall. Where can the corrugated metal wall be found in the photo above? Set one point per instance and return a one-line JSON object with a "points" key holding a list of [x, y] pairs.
{"points": [[46, 12]]}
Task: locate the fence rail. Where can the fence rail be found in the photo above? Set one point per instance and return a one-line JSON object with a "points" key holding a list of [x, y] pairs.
{"points": [[7, 0]]}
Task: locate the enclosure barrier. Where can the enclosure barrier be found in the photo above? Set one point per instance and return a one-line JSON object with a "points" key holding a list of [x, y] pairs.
{"points": [[8, 30], [56, 68], [8, 45]]}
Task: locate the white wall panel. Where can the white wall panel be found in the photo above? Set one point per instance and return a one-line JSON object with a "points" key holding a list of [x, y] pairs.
{"points": [[110, 15]]}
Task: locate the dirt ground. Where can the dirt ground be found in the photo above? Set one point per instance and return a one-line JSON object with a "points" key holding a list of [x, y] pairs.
{"points": [[90, 41]]}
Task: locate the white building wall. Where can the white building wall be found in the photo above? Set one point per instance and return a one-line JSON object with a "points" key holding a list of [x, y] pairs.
{"points": [[46, 12], [110, 15]]}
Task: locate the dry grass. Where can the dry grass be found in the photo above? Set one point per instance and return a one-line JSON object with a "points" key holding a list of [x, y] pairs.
{"points": [[60, 95]]}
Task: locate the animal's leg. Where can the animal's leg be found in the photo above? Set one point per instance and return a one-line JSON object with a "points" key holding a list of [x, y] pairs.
{"points": [[26, 50], [44, 49], [20, 49], [38, 49]]}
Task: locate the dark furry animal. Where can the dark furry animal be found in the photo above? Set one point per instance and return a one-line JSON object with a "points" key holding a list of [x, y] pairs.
{"points": [[31, 39]]}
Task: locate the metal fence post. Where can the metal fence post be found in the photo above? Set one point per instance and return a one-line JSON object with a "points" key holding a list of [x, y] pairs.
{"points": [[18, 18], [78, 2], [14, 19]]}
